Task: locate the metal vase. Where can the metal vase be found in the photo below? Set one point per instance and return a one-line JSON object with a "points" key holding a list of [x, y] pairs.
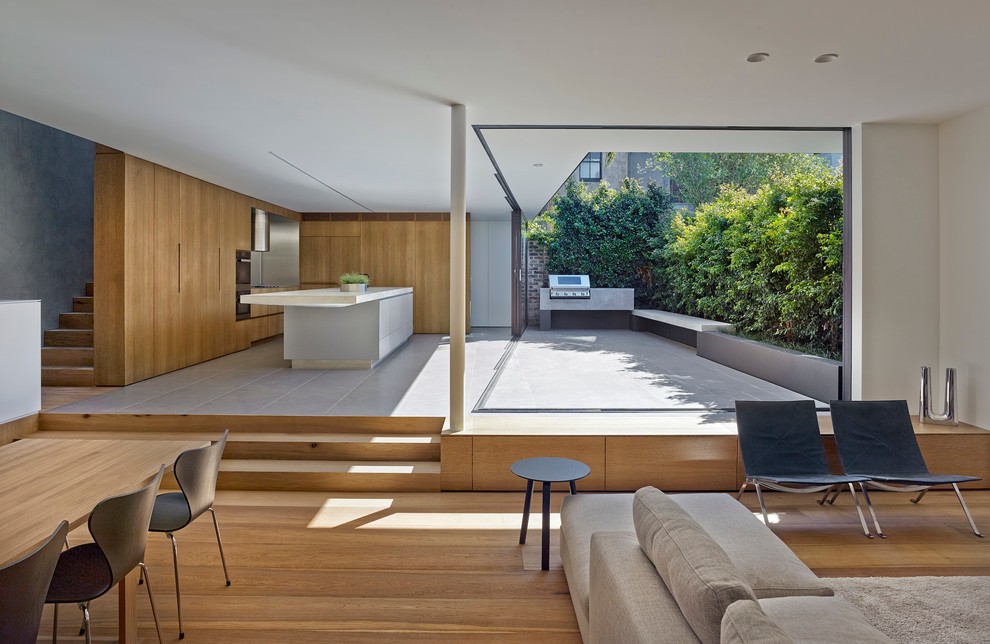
{"points": [[948, 415]]}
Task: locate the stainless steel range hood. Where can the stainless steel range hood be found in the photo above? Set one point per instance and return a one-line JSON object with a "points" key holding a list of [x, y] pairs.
{"points": [[261, 238]]}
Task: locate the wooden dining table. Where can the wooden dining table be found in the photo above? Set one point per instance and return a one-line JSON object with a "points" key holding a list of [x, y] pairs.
{"points": [[46, 480]]}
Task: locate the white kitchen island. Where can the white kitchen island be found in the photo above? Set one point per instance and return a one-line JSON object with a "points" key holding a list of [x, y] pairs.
{"points": [[329, 329]]}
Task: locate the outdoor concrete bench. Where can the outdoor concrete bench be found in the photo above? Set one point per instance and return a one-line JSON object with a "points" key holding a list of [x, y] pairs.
{"points": [[676, 326]]}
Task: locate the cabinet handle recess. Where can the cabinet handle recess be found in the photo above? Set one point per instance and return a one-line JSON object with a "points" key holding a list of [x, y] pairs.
{"points": [[179, 272]]}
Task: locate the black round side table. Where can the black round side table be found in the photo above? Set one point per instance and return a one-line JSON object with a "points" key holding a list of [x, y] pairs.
{"points": [[547, 470]]}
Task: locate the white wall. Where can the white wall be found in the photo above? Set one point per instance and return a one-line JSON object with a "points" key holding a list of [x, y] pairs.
{"points": [[491, 273], [964, 159], [20, 346], [895, 259]]}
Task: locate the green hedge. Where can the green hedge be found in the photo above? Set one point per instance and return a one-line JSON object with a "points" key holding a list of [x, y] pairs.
{"points": [[770, 263]]}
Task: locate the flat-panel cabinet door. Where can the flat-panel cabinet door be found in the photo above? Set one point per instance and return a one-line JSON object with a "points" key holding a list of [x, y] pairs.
{"points": [[169, 352], [314, 260], [431, 286], [388, 252], [212, 337], [192, 268], [345, 257]]}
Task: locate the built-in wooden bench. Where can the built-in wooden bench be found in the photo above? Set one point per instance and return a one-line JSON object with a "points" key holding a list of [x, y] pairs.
{"points": [[676, 326]]}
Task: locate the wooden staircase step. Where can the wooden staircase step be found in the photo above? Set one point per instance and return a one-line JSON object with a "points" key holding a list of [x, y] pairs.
{"points": [[89, 289], [273, 446], [329, 476], [67, 356], [157, 423], [82, 304], [67, 376], [75, 320], [69, 338], [335, 447]]}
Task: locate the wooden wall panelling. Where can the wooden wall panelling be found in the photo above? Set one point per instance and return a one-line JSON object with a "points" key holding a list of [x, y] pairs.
{"points": [[695, 463], [139, 278], [388, 252], [492, 456], [168, 316], [108, 269], [431, 286]]}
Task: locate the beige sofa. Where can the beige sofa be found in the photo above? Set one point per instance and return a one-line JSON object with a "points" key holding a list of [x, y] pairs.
{"points": [[648, 567]]}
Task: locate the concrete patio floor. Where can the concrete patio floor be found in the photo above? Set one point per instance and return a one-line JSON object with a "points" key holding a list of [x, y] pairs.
{"points": [[617, 370]]}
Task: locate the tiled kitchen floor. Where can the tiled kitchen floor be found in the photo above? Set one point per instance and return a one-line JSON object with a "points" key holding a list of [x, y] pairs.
{"points": [[545, 371], [411, 382]]}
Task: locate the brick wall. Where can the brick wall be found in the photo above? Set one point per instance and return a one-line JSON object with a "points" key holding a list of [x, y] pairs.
{"points": [[536, 278]]}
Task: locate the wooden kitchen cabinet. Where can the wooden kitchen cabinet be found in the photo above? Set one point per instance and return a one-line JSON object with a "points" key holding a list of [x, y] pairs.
{"points": [[164, 269]]}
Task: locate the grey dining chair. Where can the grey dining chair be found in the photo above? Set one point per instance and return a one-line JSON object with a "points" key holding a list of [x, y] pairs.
{"points": [[196, 472], [782, 450], [24, 586], [119, 527], [875, 438]]}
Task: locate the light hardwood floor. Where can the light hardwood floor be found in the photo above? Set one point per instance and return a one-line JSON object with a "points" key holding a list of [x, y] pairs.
{"points": [[318, 567]]}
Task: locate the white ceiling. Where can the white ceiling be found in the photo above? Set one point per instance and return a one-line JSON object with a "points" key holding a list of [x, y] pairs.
{"points": [[357, 93]]}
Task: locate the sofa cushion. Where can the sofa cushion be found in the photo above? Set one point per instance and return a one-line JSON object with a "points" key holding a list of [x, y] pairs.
{"points": [[745, 622], [821, 620], [582, 515], [629, 601], [695, 569], [766, 563]]}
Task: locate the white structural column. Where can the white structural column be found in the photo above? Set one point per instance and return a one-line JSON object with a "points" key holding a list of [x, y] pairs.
{"points": [[458, 263]]}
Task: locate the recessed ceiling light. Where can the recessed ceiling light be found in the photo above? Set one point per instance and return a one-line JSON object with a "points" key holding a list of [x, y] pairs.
{"points": [[758, 57], [826, 58], [537, 165]]}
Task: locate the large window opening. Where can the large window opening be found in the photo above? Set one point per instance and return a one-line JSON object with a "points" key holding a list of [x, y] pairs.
{"points": [[736, 234]]}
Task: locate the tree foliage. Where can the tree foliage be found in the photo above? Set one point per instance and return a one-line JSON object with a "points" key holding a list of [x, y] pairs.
{"points": [[606, 234], [768, 260], [697, 177]]}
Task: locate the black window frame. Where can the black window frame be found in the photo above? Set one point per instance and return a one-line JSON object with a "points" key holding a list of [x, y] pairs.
{"points": [[590, 162]]}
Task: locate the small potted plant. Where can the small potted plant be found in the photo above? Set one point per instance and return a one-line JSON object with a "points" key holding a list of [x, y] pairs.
{"points": [[354, 282]]}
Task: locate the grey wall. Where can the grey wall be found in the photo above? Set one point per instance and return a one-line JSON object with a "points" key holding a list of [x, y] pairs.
{"points": [[46, 215]]}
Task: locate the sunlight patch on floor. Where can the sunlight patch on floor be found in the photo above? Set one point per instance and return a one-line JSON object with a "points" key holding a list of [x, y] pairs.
{"points": [[336, 512], [772, 517], [460, 521]]}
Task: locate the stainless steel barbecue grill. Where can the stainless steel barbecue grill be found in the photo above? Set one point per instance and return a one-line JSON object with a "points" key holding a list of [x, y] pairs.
{"points": [[573, 287]]}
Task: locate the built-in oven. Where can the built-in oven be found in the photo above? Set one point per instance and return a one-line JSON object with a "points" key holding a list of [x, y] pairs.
{"points": [[243, 308], [243, 271]]}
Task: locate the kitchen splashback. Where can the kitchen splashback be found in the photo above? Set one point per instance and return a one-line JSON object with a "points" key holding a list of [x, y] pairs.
{"points": [[280, 265]]}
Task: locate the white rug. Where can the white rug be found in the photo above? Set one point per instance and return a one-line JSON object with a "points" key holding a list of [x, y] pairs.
{"points": [[922, 610]]}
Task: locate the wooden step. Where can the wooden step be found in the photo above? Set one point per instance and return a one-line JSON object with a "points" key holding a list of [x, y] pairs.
{"points": [[89, 289], [82, 304], [273, 446], [67, 376], [329, 476], [334, 447], [67, 356], [69, 338], [75, 320], [156, 423]]}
